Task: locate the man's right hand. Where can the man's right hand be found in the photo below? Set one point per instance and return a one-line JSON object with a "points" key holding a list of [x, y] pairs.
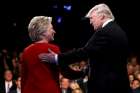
{"points": [[48, 57]]}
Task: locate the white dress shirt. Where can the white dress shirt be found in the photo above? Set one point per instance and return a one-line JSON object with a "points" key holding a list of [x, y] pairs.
{"points": [[64, 91], [8, 85], [56, 59], [18, 90]]}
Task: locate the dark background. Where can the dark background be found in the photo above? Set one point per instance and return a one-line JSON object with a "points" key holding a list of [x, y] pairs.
{"points": [[74, 30]]}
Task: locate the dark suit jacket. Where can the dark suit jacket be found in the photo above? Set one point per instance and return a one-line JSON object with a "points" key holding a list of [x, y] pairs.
{"points": [[13, 89], [107, 51]]}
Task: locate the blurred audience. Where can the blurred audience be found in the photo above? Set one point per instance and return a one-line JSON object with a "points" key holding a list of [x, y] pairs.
{"points": [[10, 80]]}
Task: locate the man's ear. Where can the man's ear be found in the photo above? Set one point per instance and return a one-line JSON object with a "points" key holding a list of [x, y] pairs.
{"points": [[102, 16]]}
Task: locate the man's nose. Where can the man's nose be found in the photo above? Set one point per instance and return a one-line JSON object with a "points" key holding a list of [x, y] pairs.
{"points": [[90, 22]]}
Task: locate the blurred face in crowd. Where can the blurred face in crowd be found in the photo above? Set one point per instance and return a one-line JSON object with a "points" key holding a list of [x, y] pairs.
{"points": [[8, 75], [49, 33], [131, 78], [60, 76], [130, 69], [96, 20], [4, 51], [82, 64], [134, 61], [138, 76], [65, 83], [135, 84], [18, 82]]}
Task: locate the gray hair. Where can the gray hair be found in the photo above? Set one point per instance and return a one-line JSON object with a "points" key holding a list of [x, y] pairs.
{"points": [[37, 26], [101, 9]]}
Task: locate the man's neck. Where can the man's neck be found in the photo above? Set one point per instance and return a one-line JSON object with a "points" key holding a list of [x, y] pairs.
{"points": [[106, 22], [8, 81]]}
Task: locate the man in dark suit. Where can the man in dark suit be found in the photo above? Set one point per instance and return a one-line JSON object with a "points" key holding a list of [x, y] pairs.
{"points": [[8, 84], [107, 52], [65, 85]]}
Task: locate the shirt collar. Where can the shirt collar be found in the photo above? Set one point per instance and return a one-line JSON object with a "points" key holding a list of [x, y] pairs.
{"points": [[7, 87], [10, 82], [105, 23]]}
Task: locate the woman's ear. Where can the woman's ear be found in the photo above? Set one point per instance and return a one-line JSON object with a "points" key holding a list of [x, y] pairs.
{"points": [[41, 36]]}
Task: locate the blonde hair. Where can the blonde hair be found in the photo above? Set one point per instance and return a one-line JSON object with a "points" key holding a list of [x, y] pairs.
{"points": [[37, 26], [74, 85], [77, 90], [101, 9]]}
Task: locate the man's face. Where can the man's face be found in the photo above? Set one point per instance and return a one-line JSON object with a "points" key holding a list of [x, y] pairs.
{"points": [[8, 75], [130, 69], [49, 34], [95, 20], [135, 84], [65, 83], [134, 61], [82, 64], [18, 82]]}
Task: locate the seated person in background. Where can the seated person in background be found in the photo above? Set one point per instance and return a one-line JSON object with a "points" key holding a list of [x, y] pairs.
{"points": [[135, 85], [8, 84], [65, 85], [134, 62]]}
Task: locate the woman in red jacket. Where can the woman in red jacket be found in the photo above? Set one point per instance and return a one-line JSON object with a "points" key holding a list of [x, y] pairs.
{"points": [[37, 76]]}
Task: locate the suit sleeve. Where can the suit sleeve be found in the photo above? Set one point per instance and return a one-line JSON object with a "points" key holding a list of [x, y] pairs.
{"points": [[95, 46], [67, 72]]}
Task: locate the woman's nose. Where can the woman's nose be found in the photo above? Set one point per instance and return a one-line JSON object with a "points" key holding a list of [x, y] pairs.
{"points": [[54, 31]]}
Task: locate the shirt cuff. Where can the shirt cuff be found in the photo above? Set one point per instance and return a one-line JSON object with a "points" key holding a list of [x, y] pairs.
{"points": [[56, 58]]}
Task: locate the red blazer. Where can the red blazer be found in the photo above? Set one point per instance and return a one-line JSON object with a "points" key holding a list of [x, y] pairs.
{"points": [[39, 77]]}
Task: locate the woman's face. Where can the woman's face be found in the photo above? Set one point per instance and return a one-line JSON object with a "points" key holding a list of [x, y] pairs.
{"points": [[49, 33]]}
